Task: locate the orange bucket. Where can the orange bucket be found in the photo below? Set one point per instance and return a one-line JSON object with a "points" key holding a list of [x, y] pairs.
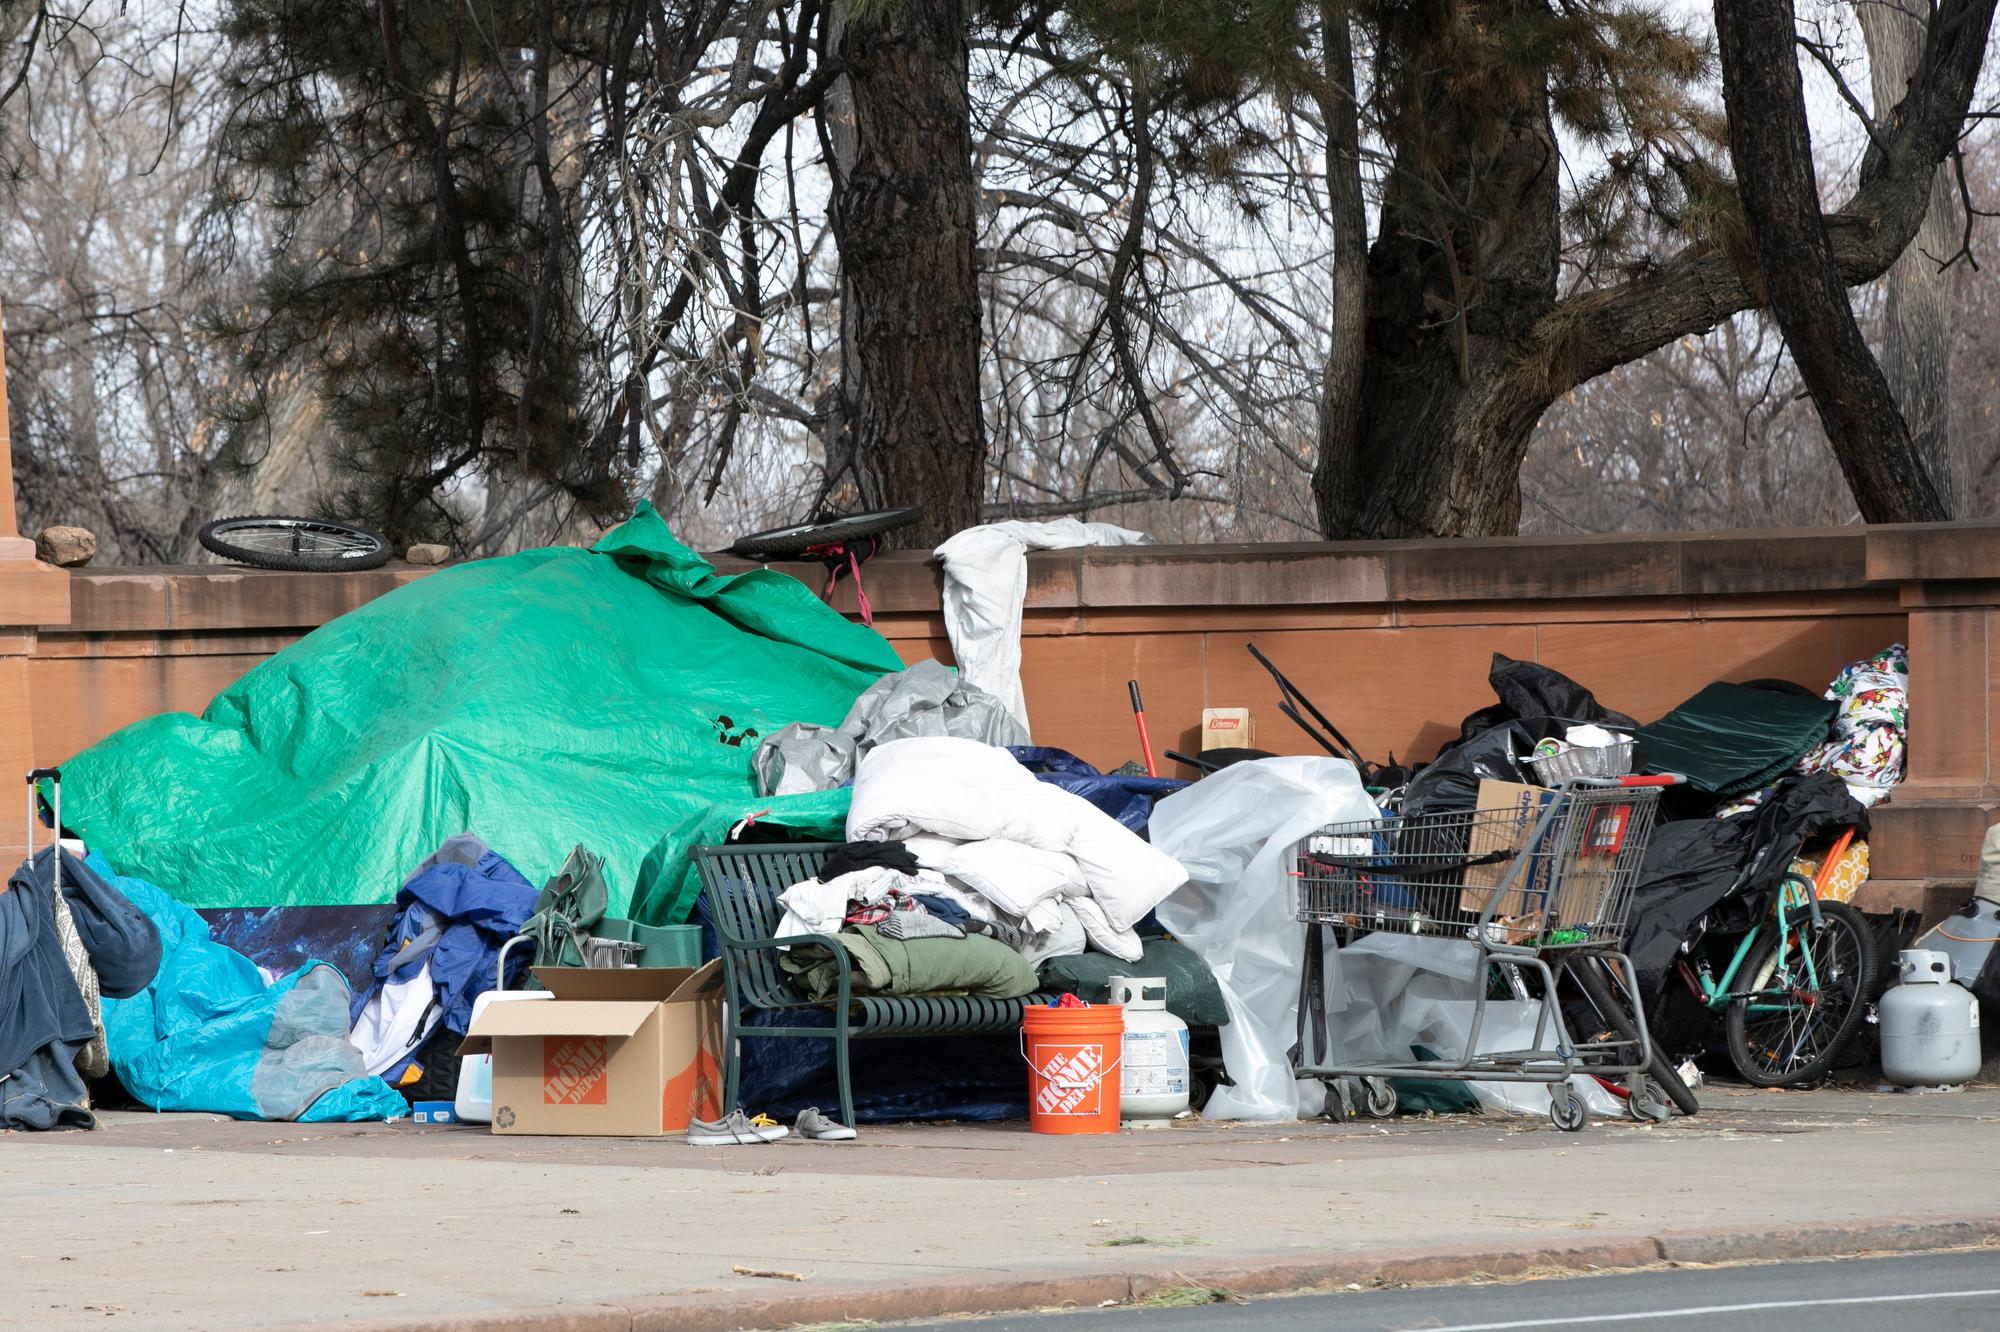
{"points": [[1073, 1056]]}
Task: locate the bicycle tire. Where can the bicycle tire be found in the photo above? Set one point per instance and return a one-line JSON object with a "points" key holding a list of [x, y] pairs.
{"points": [[1837, 921], [1596, 988], [784, 543], [226, 537]]}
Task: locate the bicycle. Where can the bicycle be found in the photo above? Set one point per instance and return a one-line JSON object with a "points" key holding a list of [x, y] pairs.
{"points": [[1796, 987]]}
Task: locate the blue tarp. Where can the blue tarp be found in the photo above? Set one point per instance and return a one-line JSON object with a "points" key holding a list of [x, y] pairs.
{"points": [[1126, 799], [211, 1034]]}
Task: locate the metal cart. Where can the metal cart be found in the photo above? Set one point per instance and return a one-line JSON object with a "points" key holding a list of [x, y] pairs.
{"points": [[1540, 886]]}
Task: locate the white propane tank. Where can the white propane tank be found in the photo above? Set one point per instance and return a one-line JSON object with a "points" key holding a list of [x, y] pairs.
{"points": [[1153, 1082], [1929, 1027]]}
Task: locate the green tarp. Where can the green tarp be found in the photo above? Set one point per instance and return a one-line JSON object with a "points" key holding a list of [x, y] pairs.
{"points": [[611, 697]]}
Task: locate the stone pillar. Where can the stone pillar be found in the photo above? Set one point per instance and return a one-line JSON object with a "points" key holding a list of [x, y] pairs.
{"points": [[1948, 578]]}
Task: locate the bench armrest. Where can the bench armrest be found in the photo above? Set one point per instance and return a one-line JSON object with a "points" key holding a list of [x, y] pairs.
{"points": [[843, 965]]}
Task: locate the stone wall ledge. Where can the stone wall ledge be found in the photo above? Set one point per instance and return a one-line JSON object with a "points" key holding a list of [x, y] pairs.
{"points": [[1960, 563]]}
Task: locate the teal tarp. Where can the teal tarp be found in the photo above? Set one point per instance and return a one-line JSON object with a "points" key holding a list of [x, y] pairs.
{"points": [[1732, 738], [611, 697], [210, 1034]]}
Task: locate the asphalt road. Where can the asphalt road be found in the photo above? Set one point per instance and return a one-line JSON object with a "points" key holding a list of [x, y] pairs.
{"points": [[1948, 1292]]}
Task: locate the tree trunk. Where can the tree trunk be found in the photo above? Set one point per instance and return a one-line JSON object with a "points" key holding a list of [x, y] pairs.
{"points": [[1919, 293], [1463, 266], [1466, 345], [1772, 150], [1334, 492], [903, 217]]}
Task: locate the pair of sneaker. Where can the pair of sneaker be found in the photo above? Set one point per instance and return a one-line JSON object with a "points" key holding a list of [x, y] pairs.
{"points": [[737, 1129]]}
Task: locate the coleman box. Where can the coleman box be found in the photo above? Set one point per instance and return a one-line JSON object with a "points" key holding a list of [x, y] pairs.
{"points": [[622, 1052], [1227, 728]]}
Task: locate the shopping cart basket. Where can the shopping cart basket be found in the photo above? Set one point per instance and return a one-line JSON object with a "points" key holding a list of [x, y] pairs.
{"points": [[1539, 886]]}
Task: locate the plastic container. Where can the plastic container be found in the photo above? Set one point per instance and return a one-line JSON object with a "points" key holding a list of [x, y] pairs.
{"points": [[1929, 1027], [1578, 761], [659, 945], [1153, 1077], [474, 1103], [1073, 1057]]}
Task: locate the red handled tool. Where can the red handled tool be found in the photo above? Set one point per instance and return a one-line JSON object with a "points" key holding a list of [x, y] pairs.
{"points": [[1139, 715]]}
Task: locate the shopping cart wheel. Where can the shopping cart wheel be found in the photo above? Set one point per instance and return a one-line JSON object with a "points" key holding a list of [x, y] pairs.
{"points": [[1645, 1101], [1566, 1109], [1381, 1102], [1339, 1100]]}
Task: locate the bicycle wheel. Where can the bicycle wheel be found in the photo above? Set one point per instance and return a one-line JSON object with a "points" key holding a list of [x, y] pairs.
{"points": [[1799, 1028], [1597, 987], [783, 543], [298, 545]]}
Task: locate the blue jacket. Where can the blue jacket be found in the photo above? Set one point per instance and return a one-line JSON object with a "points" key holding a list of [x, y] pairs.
{"points": [[43, 1019], [452, 915]]}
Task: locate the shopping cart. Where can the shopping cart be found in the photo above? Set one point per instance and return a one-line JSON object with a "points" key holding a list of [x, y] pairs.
{"points": [[1540, 886]]}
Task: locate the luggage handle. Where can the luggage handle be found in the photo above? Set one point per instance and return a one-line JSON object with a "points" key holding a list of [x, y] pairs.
{"points": [[52, 774]]}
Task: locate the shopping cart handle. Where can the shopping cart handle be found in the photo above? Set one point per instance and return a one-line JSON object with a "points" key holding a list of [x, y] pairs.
{"points": [[53, 774], [1657, 779]]}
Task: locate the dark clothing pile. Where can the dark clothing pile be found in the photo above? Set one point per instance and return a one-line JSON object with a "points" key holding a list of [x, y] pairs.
{"points": [[1493, 744], [868, 855], [44, 1021]]}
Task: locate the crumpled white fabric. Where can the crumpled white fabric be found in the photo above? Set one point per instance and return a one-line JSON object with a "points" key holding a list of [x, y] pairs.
{"points": [[985, 584], [820, 907]]}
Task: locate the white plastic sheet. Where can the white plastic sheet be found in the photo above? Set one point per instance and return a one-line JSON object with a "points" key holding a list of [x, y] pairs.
{"points": [[1233, 832], [985, 583]]}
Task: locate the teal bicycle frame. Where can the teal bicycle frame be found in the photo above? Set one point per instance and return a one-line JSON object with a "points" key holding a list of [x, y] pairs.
{"points": [[1794, 893]]}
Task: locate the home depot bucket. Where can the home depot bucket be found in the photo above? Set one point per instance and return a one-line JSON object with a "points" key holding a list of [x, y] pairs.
{"points": [[1073, 1056]]}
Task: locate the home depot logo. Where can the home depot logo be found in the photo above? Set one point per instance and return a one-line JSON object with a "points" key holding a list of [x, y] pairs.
{"points": [[574, 1070], [1072, 1080]]}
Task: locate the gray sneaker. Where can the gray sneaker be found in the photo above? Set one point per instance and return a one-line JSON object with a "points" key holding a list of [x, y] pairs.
{"points": [[732, 1130], [816, 1127]]}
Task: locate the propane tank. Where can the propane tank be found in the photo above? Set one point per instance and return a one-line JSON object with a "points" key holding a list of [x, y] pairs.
{"points": [[1153, 1084], [1929, 1027], [1968, 937]]}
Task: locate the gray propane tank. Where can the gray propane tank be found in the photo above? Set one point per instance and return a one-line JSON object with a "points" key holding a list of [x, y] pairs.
{"points": [[1929, 1027]]}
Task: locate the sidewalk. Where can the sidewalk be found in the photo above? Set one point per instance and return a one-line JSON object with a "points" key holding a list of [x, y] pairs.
{"points": [[185, 1221]]}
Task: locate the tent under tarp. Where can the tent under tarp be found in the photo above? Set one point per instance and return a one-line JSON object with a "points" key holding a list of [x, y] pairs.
{"points": [[612, 697]]}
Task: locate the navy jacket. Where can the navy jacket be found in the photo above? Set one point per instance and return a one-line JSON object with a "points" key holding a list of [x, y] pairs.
{"points": [[43, 1019]]}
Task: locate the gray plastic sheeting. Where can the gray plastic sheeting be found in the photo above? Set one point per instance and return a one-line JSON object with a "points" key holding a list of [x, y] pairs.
{"points": [[928, 699]]}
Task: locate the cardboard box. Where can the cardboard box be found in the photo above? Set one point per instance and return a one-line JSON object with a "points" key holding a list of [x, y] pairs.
{"points": [[622, 1052], [1504, 818], [1227, 728]]}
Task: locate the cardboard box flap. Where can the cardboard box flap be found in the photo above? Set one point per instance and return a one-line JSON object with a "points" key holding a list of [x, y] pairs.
{"points": [[651, 984], [706, 980], [562, 1019]]}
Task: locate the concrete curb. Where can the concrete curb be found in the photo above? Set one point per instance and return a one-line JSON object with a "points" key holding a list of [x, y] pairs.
{"points": [[1139, 1282]]}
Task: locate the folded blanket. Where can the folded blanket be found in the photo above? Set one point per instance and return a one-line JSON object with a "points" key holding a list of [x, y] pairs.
{"points": [[975, 965], [973, 793]]}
